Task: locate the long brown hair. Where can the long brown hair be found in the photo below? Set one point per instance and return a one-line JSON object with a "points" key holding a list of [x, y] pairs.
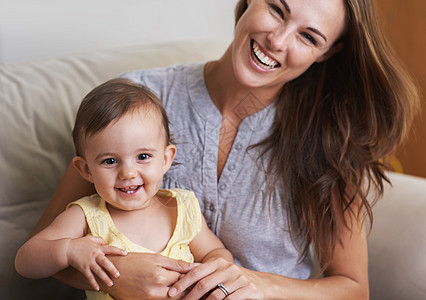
{"points": [[333, 126]]}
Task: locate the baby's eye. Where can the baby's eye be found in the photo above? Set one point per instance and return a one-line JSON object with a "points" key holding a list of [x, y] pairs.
{"points": [[143, 156], [109, 161], [309, 38]]}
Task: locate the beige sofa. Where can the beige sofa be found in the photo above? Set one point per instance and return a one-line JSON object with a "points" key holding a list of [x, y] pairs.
{"points": [[38, 101]]}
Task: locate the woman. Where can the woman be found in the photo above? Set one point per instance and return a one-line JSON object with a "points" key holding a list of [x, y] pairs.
{"points": [[280, 139]]}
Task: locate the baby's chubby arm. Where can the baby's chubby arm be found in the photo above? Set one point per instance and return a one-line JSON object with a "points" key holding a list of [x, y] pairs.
{"points": [[206, 246], [64, 243]]}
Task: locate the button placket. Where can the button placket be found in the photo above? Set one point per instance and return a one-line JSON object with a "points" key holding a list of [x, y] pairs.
{"points": [[210, 174]]}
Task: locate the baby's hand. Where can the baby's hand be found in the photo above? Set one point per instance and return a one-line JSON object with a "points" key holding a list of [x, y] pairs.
{"points": [[87, 254]]}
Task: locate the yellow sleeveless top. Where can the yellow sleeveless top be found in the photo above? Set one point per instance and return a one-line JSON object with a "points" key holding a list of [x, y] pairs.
{"points": [[188, 225]]}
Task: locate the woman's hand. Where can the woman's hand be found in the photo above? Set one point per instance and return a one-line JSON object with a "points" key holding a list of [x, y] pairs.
{"points": [[240, 283], [145, 276]]}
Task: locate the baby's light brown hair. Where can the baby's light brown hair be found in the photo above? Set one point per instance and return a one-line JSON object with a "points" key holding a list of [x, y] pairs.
{"points": [[110, 101]]}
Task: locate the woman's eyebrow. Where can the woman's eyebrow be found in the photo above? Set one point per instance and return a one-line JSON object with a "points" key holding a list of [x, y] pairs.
{"points": [[287, 8], [318, 32]]}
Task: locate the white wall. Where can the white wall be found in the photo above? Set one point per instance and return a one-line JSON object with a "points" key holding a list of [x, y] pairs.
{"points": [[38, 29]]}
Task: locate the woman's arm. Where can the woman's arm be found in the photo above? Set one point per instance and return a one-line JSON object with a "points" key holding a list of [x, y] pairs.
{"points": [[145, 276], [345, 278], [142, 276]]}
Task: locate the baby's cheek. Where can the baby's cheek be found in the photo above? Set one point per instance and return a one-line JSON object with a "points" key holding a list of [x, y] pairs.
{"points": [[159, 183]]}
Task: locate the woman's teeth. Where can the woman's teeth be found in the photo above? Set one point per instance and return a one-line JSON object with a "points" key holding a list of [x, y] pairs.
{"points": [[267, 62]]}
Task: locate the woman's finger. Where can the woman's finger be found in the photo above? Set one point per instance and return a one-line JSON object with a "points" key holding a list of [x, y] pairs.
{"points": [[246, 292], [203, 287], [230, 289], [174, 264], [193, 277], [219, 273]]}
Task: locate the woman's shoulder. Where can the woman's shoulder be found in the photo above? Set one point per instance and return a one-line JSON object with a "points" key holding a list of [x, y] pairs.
{"points": [[161, 76]]}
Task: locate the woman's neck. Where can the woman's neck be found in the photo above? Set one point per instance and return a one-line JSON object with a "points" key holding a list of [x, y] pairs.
{"points": [[234, 101]]}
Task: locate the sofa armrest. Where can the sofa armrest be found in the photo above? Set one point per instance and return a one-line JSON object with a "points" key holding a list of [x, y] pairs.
{"points": [[397, 243]]}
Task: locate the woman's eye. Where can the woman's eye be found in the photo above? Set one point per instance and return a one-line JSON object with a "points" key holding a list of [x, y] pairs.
{"points": [[143, 156], [277, 10], [109, 161], [309, 38]]}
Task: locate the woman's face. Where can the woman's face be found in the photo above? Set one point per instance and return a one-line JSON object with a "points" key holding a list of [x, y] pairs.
{"points": [[277, 40]]}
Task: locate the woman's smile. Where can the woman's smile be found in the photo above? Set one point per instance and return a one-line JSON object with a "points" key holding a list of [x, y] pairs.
{"points": [[261, 59]]}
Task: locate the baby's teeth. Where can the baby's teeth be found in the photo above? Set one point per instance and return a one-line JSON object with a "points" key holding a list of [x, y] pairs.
{"points": [[130, 189]]}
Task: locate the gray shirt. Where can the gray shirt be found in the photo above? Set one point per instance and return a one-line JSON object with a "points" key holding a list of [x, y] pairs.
{"points": [[250, 224]]}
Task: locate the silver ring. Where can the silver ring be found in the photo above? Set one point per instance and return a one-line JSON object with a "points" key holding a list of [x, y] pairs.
{"points": [[221, 287]]}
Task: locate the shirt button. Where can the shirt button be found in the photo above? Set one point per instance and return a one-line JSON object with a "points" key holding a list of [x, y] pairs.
{"points": [[211, 157], [238, 146], [232, 167], [222, 187], [211, 207]]}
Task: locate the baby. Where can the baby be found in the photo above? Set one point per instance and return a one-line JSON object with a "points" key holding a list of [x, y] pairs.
{"points": [[122, 143]]}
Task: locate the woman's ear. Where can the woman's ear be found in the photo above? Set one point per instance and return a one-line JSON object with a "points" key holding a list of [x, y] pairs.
{"points": [[169, 156], [81, 165], [333, 50]]}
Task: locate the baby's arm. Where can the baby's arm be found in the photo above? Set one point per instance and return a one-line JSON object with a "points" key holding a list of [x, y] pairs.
{"points": [[63, 244], [207, 246]]}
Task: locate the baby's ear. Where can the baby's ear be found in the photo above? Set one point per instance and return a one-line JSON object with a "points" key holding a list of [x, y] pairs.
{"points": [[333, 50], [169, 156], [81, 165]]}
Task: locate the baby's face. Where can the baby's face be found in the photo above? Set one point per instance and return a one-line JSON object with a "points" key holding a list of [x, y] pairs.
{"points": [[127, 159]]}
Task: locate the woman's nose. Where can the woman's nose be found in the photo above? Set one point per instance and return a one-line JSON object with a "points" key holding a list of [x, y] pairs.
{"points": [[279, 39], [127, 171]]}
